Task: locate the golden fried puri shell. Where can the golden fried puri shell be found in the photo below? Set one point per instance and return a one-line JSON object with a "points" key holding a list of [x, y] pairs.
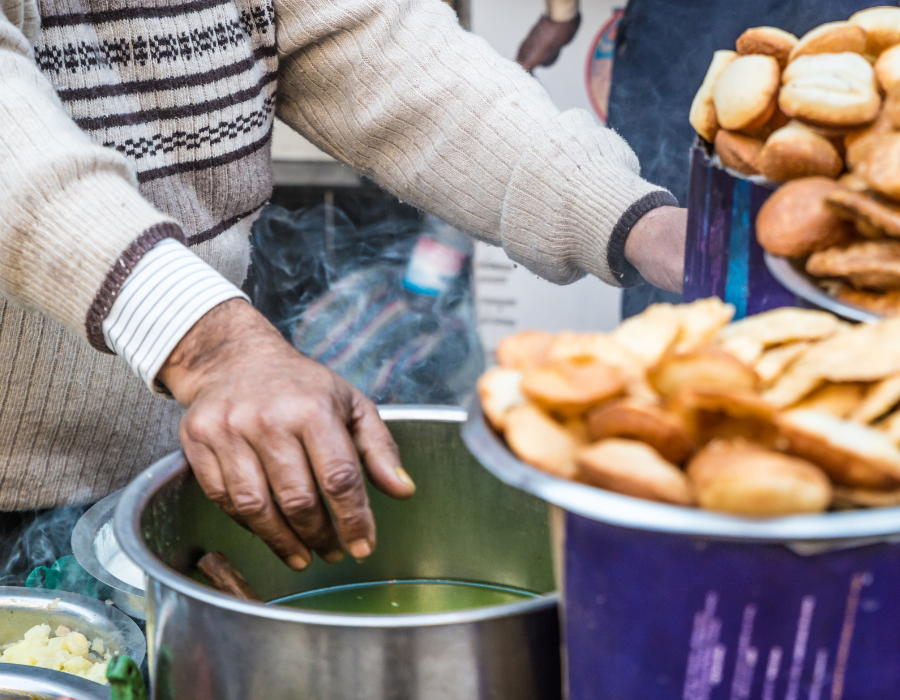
{"points": [[796, 151], [744, 94], [499, 390], [768, 41], [743, 479], [535, 438], [867, 212], [633, 469], [739, 152], [795, 220], [882, 25], [716, 414], [832, 37], [703, 111]]}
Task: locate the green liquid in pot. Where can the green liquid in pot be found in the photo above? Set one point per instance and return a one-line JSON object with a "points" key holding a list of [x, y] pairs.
{"points": [[405, 597]]}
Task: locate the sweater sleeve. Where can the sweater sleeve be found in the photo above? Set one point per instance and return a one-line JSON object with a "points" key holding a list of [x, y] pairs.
{"points": [[397, 90], [72, 223]]}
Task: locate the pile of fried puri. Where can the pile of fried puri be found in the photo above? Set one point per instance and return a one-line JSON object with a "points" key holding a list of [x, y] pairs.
{"points": [[822, 112], [791, 411]]}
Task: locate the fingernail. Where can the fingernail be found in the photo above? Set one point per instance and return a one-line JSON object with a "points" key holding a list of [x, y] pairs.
{"points": [[297, 562], [334, 557], [404, 477], [360, 549]]}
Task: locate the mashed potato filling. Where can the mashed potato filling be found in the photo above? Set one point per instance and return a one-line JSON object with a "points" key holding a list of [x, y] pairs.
{"points": [[66, 651]]}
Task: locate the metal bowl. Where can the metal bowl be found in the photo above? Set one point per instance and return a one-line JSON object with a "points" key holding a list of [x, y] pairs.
{"points": [[491, 451], [31, 683], [462, 524], [791, 274], [23, 608], [94, 545]]}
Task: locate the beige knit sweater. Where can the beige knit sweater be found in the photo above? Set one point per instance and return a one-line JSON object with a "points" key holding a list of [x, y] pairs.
{"points": [[123, 122]]}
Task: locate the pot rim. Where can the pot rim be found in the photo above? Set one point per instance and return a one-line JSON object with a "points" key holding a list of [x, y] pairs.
{"points": [[136, 496], [636, 513]]}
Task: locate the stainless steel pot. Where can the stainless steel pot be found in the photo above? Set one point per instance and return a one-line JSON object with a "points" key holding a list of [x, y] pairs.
{"points": [[462, 524]]}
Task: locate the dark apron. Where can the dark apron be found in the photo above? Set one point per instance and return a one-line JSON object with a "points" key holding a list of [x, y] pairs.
{"points": [[663, 50]]}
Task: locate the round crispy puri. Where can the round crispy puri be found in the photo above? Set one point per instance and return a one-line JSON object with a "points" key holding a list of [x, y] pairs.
{"points": [[796, 151], [881, 303], [743, 479], [705, 368], [768, 41], [703, 111], [882, 25], [851, 454], [859, 143], [570, 388], [830, 90], [744, 93], [881, 168], [832, 37], [634, 469], [644, 421], [739, 152], [887, 69], [524, 351], [795, 220]]}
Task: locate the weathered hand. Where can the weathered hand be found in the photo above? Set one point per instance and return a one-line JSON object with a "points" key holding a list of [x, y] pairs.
{"points": [[544, 42], [272, 435], [655, 247]]}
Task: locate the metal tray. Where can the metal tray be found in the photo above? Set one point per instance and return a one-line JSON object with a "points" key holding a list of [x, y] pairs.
{"points": [[94, 524], [791, 274], [491, 451], [32, 683]]}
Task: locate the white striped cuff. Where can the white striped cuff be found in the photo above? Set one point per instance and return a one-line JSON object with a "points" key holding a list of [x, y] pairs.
{"points": [[168, 291]]}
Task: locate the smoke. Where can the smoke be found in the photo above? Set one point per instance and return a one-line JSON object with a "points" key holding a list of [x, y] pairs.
{"points": [[32, 539], [334, 285]]}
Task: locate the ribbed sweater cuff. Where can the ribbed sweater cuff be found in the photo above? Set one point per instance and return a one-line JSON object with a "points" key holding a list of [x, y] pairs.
{"points": [[99, 225], [626, 273], [574, 188]]}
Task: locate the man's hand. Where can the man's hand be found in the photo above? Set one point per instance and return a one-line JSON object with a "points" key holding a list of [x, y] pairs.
{"points": [[272, 435], [655, 247], [544, 42]]}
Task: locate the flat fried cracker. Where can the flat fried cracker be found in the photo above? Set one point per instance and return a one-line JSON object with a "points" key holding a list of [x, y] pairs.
{"points": [[873, 265], [700, 321], [839, 400], [744, 348], [783, 325], [711, 415], [890, 426], [866, 210], [775, 362], [524, 351], [851, 454], [599, 346], [706, 368], [866, 353], [793, 386], [879, 400], [881, 303], [650, 334]]}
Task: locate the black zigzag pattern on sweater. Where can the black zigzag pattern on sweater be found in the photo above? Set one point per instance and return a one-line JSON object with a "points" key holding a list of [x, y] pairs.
{"points": [[187, 141], [163, 48]]}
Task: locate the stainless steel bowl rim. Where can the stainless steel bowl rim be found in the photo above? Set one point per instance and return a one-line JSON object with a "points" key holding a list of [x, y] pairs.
{"points": [[84, 537], [43, 681], [135, 497], [606, 506], [796, 280], [133, 644]]}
